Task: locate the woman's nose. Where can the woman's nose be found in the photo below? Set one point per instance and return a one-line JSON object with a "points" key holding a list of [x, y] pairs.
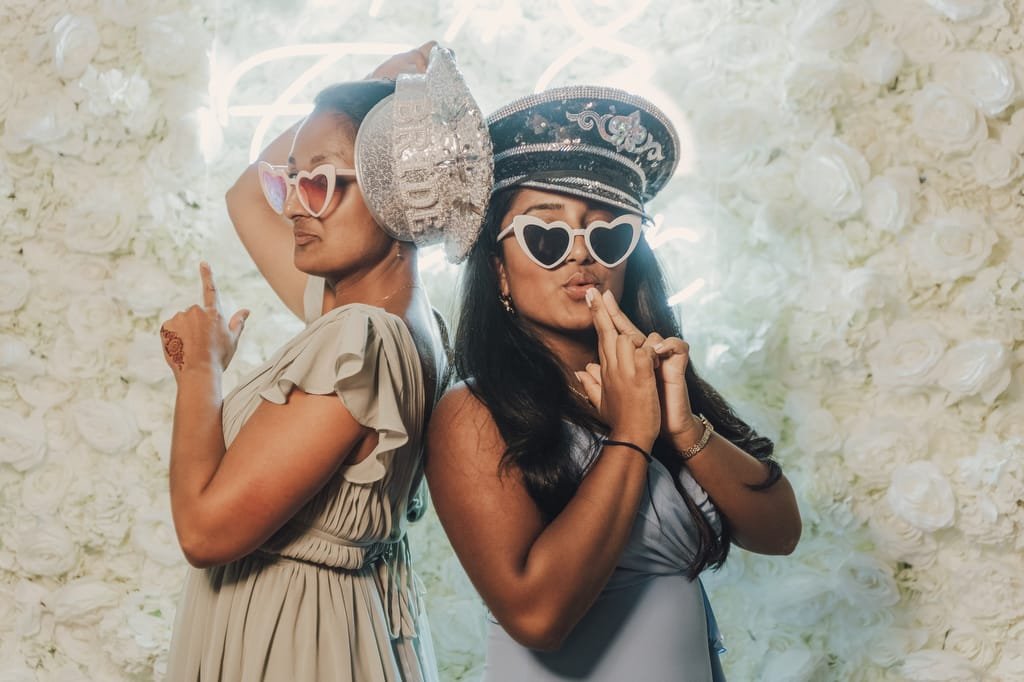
{"points": [[579, 252]]}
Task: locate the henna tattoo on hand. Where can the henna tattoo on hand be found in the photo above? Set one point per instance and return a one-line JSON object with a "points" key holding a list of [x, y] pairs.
{"points": [[174, 347]]}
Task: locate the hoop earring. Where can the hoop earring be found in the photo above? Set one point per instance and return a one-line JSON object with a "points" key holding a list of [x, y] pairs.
{"points": [[506, 301]]}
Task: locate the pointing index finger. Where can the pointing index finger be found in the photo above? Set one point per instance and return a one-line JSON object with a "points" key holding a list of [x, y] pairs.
{"points": [[209, 288], [606, 333]]}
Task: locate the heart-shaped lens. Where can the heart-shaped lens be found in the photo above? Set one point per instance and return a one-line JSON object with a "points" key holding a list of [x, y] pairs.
{"points": [[611, 243], [313, 188], [547, 244], [275, 188]]}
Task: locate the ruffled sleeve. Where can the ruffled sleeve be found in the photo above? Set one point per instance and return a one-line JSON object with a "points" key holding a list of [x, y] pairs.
{"points": [[361, 354]]}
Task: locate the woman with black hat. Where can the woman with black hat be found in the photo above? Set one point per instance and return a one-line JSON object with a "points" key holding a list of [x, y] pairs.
{"points": [[290, 495], [583, 471]]}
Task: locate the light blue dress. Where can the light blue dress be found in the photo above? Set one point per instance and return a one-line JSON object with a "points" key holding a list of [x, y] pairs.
{"points": [[650, 623]]}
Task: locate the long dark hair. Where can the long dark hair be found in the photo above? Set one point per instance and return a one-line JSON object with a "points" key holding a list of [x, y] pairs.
{"points": [[513, 373]]}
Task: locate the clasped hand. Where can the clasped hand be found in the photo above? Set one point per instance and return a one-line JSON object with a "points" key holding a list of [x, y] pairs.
{"points": [[200, 337], [639, 384]]}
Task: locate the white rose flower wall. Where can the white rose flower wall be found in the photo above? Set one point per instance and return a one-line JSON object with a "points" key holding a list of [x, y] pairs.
{"points": [[845, 239]]}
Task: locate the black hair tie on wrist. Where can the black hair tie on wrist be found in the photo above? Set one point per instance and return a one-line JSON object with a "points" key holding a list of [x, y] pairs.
{"points": [[627, 444]]}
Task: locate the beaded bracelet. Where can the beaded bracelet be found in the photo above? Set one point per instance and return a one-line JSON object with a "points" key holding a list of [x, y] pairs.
{"points": [[627, 444], [702, 443]]}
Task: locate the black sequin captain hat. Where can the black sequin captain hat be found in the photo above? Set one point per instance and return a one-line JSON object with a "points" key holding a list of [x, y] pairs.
{"points": [[593, 142]]}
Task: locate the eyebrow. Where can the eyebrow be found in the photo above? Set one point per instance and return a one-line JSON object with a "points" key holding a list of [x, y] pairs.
{"points": [[545, 207], [319, 158]]}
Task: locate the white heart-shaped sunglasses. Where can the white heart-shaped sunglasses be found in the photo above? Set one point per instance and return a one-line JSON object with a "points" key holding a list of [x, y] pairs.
{"points": [[314, 188], [549, 244]]}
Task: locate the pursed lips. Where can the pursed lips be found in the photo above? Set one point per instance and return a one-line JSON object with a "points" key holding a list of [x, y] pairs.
{"points": [[578, 284]]}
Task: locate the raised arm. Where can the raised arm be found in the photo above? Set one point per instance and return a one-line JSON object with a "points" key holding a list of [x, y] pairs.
{"points": [[266, 235], [539, 577]]}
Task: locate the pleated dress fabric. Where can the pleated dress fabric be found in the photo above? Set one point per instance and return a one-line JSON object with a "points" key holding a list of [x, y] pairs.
{"points": [[331, 597], [650, 623]]}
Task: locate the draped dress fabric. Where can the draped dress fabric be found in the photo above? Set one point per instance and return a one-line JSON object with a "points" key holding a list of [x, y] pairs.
{"points": [[331, 596], [650, 623]]}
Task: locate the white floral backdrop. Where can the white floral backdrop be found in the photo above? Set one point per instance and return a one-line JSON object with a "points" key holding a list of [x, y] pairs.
{"points": [[846, 237]]}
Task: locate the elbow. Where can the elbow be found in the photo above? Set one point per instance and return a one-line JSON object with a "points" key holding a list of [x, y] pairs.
{"points": [[537, 631], [203, 549]]}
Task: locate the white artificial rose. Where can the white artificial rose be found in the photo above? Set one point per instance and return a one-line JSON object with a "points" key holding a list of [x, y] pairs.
{"points": [[948, 122], [47, 549], [890, 199], [43, 488], [82, 601], [794, 664], [95, 320], [978, 518], [985, 78], [153, 408], [106, 426], [921, 495], [22, 439], [741, 47], [907, 355], [925, 38], [172, 44], [154, 534], [42, 120], [113, 93], [977, 367], [995, 165], [831, 24], [141, 285], [935, 665], [96, 231], [948, 247], [109, 517], [817, 432], [881, 61], [890, 646], [731, 139], [69, 360], [129, 13], [820, 86], [876, 445], [867, 583], [75, 40], [17, 360], [962, 10], [831, 178], [15, 284], [144, 360]]}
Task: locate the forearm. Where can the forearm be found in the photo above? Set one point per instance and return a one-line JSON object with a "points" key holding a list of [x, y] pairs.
{"points": [[764, 521], [573, 558], [197, 447], [266, 235]]}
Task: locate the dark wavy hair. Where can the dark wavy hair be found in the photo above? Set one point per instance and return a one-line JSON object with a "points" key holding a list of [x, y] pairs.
{"points": [[521, 382]]}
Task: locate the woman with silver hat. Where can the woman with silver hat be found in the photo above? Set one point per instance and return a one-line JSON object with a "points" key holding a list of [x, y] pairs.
{"points": [[291, 494], [583, 471]]}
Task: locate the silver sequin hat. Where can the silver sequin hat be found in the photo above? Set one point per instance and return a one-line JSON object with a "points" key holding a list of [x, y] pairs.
{"points": [[594, 142], [423, 159]]}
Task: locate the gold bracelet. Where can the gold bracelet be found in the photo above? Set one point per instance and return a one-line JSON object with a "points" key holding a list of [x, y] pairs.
{"points": [[700, 444]]}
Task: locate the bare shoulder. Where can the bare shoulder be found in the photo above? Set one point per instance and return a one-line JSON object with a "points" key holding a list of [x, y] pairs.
{"points": [[462, 431]]}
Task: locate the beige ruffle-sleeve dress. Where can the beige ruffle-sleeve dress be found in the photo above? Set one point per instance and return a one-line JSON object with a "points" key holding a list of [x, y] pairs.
{"points": [[331, 596]]}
